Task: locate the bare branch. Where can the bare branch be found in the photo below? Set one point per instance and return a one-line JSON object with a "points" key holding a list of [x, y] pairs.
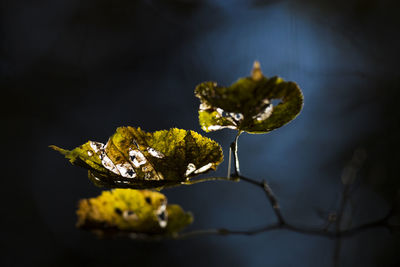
{"points": [[263, 185], [270, 194], [383, 222], [337, 233]]}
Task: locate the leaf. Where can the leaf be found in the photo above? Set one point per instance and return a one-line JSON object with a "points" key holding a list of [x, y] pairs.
{"points": [[133, 158], [248, 105], [131, 212]]}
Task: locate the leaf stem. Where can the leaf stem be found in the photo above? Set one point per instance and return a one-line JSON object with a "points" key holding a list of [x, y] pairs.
{"points": [[229, 162], [191, 182], [234, 148]]}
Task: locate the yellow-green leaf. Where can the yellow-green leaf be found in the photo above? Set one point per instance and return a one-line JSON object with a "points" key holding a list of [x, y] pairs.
{"points": [[133, 158], [248, 104], [130, 212]]}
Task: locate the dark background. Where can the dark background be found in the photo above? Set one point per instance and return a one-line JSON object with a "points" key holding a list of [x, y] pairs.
{"points": [[75, 70]]}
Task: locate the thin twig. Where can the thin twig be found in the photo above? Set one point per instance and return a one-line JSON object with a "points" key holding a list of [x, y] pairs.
{"points": [[338, 224], [274, 202], [270, 194], [383, 222], [195, 181], [336, 252], [336, 233], [348, 179], [263, 185]]}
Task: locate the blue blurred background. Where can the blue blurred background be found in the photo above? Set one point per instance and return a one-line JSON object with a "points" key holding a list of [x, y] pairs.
{"points": [[75, 70]]}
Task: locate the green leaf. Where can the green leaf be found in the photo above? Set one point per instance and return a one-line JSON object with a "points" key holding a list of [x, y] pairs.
{"points": [[248, 104], [131, 212], [133, 158]]}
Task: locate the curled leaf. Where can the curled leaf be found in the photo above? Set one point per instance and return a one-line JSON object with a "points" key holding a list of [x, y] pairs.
{"points": [[133, 158], [249, 104], [131, 212]]}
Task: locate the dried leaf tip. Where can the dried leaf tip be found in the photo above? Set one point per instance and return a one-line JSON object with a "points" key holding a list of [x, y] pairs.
{"points": [[256, 73]]}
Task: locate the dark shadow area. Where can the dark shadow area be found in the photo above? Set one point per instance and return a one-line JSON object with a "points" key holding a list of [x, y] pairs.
{"points": [[73, 71]]}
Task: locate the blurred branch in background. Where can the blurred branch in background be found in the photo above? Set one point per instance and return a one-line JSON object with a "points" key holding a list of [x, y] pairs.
{"points": [[348, 179]]}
